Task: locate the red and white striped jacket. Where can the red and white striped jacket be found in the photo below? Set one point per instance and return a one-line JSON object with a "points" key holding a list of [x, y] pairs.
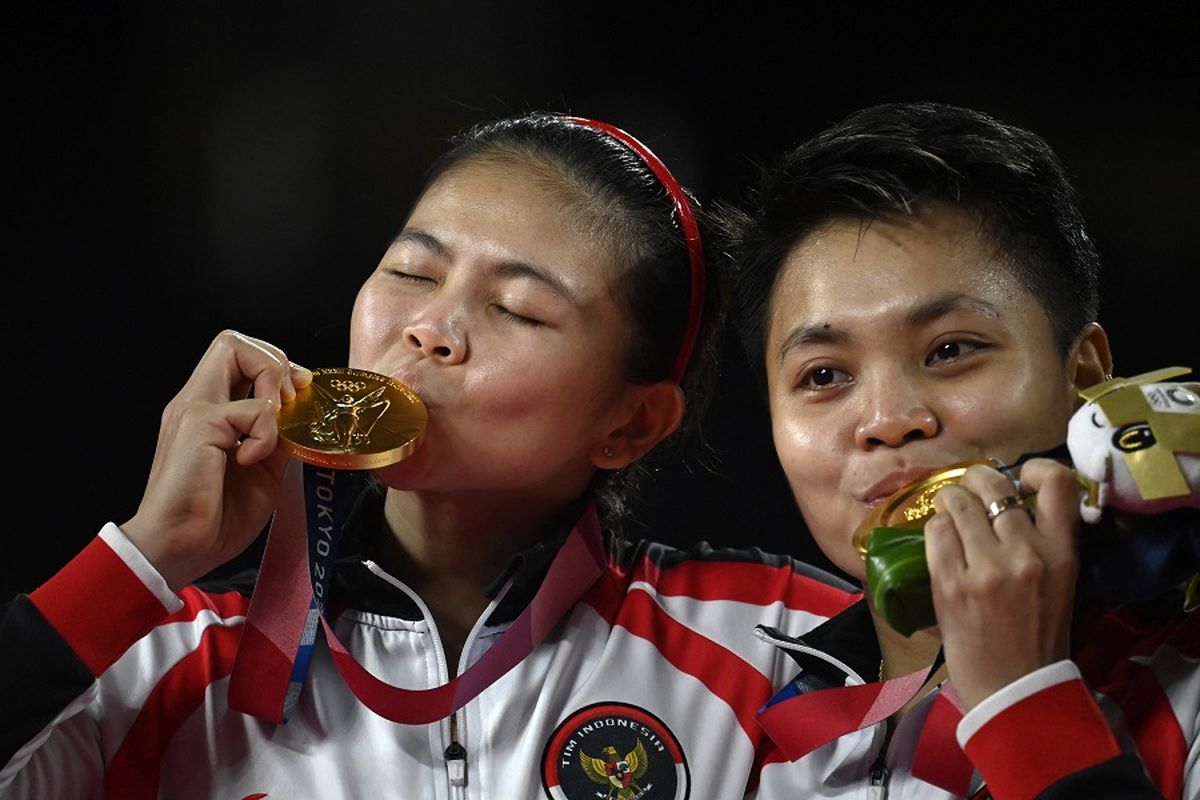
{"points": [[1120, 721], [647, 688], [116, 687]]}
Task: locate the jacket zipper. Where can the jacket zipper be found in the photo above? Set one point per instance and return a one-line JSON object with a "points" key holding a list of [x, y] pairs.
{"points": [[456, 758], [878, 787], [455, 753]]}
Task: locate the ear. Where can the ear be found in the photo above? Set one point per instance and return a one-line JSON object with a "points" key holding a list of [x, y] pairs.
{"points": [[1090, 360], [651, 415]]}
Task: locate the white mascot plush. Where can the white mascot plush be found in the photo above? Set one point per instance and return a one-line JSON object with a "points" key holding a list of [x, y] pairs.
{"points": [[1135, 444]]}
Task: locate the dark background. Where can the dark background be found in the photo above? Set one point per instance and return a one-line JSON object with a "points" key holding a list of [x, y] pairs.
{"points": [[179, 168]]}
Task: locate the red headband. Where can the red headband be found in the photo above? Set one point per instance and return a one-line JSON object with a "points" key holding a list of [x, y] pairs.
{"points": [[691, 235]]}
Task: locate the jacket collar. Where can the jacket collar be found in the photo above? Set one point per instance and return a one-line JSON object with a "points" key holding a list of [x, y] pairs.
{"points": [[841, 647], [358, 587]]}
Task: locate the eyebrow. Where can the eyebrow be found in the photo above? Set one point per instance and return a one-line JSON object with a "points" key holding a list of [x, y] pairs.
{"points": [[423, 238], [939, 306], [944, 304], [811, 333], [505, 269]]}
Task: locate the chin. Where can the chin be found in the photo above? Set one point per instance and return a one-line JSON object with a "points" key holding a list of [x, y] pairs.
{"points": [[401, 475]]}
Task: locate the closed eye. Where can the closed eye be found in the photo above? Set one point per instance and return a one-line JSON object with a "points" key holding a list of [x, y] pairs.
{"points": [[410, 277], [512, 316]]}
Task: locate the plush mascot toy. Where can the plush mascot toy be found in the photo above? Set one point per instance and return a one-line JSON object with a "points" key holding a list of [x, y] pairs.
{"points": [[1135, 447], [1135, 444]]}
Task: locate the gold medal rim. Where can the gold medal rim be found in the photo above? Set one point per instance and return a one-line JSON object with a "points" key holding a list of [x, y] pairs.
{"points": [[884, 516], [336, 459]]}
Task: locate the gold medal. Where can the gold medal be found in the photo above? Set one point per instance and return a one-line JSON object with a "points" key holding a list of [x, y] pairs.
{"points": [[352, 419], [909, 506]]}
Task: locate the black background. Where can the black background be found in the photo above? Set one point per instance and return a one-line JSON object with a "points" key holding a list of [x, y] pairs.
{"points": [[179, 168]]}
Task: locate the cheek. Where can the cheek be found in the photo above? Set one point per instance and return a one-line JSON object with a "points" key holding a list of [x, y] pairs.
{"points": [[804, 445], [374, 324], [808, 462], [1037, 421], [1027, 412], [544, 392], [789, 447], [831, 526], [813, 459]]}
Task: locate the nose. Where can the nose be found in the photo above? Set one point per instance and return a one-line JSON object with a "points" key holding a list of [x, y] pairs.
{"points": [[896, 413], [438, 337]]}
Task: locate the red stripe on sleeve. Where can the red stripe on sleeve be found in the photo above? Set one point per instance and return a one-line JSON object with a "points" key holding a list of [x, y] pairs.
{"points": [[135, 769], [1045, 737], [98, 605], [224, 605], [746, 582]]}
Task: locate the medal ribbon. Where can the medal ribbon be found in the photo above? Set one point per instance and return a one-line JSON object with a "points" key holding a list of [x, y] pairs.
{"points": [[799, 722], [293, 587]]}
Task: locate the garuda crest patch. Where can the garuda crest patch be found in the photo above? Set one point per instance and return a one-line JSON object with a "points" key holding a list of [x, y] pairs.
{"points": [[614, 751]]}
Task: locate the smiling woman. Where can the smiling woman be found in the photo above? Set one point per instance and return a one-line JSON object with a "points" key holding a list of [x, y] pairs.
{"points": [[900, 346], [546, 299], [917, 290]]}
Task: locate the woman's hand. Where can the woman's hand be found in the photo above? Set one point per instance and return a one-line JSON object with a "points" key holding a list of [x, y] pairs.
{"points": [[1003, 589], [216, 471]]}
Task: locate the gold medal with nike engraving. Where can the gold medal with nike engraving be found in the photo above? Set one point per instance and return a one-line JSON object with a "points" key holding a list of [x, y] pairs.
{"points": [[909, 506], [352, 419]]}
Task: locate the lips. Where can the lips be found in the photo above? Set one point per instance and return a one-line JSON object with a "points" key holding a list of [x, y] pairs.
{"points": [[411, 382], [892, 482]]}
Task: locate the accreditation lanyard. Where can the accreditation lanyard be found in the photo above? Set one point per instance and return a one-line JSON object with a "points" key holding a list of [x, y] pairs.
{"points": [[292, 592]]}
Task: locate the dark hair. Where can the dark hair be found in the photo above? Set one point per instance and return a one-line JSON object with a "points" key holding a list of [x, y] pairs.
{"points": [[617, 196], [891, 159]]}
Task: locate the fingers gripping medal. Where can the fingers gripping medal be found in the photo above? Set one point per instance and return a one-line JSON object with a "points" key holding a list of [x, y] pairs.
{"points": [[352, 419], [1134, 445], [892, 541]]}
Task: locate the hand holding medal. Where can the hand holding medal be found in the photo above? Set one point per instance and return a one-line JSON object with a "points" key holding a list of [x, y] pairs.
{"points": [[1134, 445], [352, 419], [892, 542], [217, 468]]}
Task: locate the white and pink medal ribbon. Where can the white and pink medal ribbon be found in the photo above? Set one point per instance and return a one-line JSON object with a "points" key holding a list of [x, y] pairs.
{"points": [[293, 587], [799, 722]]}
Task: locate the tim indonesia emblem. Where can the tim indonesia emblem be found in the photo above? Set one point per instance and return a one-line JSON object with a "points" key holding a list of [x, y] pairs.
{"points": [[614, 751]]}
